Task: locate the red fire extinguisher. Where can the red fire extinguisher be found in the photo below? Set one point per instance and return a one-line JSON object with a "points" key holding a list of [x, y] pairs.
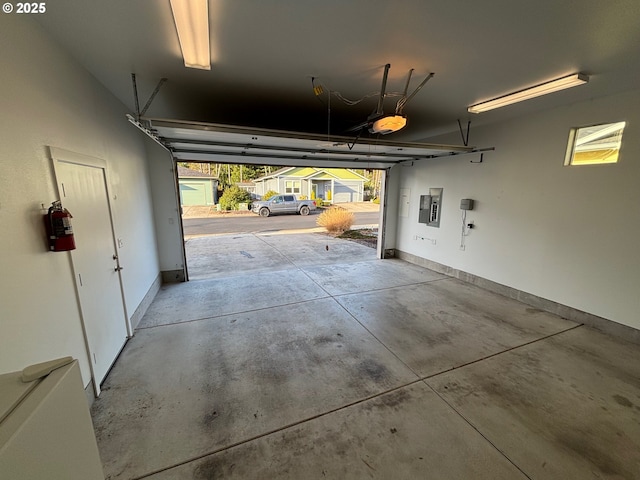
{"points": [[59, 230]]}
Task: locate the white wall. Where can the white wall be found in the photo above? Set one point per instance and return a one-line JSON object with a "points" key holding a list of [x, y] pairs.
{"points": [[567, 234], [47, 99]]}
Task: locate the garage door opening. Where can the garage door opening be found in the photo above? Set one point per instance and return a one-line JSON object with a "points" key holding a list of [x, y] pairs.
{"points": [[197, 142], [228, 236]]}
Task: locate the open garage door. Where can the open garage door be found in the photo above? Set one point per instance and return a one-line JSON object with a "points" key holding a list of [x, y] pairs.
{"points": [[203, 142]]}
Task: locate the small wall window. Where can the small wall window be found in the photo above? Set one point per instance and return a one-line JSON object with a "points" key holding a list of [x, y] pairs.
{"points": [[594, 145], [291, 186]]}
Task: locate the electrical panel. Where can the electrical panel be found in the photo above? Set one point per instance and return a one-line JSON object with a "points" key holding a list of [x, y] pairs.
{"points": [[466, 204], [430, 207], [425, 205]]}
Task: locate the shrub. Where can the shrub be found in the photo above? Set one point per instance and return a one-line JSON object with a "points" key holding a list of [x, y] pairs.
{"points": [[376, 200], [303, 197], [269, 194], [232, 196], [336, 219]]}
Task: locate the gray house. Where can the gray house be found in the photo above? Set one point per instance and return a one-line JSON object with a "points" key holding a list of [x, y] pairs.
{"points": [[197, 188], [335, 185]]}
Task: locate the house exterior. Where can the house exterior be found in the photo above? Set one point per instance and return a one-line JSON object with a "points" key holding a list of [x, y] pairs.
{"points": [[248, 187], [335, 185], [197, 188]]}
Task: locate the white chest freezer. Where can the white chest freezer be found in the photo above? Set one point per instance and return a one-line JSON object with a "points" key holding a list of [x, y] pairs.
{"points": [[45, 428]]}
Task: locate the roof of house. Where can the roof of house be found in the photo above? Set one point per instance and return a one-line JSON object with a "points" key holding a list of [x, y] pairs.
{"points": [[184, 172], [312, 172]]}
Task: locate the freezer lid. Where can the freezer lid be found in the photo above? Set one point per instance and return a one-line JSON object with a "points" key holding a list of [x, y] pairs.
{"points": [[12, 391], [15, 386]]}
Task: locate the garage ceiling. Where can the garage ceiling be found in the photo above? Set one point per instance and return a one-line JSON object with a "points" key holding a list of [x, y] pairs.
{"points": [[264, 54], [201, 142]]}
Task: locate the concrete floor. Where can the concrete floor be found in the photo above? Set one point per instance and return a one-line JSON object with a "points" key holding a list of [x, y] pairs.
{"points": [[288, 360]]}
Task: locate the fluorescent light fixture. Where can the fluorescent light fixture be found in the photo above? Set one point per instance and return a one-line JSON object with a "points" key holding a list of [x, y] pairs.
{"points": [[192, 23], [549, 87], [389, 124]]}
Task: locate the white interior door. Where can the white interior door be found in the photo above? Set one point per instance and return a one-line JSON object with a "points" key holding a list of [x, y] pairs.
{"points": [[84, 194]]}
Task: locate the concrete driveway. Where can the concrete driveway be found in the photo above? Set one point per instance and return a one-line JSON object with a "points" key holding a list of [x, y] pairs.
{"points": [[216, 256]]}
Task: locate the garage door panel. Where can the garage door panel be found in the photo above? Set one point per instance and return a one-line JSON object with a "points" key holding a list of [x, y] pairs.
{"points": [[343, 194], [193, 194]]}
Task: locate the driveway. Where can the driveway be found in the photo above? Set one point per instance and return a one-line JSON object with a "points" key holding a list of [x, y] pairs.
{"points": [[240, 254]]}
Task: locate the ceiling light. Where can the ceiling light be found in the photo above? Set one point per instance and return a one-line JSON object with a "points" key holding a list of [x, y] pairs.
{"points": [[389, 124], [549, 87], [192, 23]]}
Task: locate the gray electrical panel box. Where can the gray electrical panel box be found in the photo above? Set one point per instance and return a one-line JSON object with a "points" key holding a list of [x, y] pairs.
{"points": [[430, 206], [425, 204], [466, 204]]}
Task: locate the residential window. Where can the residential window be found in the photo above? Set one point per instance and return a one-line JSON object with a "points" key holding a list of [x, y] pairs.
{"points": [[594, 145], [291, 186]]}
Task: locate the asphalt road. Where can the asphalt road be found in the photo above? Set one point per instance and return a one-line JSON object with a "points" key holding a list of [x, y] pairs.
{"points": [[252, 223]]}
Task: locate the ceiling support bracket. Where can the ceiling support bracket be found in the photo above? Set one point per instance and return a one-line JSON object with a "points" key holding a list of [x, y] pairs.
{"points": [[153, 95], [140, 113], [135, 95], [404, 100], [465, 138]]}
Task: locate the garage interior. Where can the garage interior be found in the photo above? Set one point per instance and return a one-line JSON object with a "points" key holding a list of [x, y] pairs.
{"points": [[330, 363], [503, 350]]}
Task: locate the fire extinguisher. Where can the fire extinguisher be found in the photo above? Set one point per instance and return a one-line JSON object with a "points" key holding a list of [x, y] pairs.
{"points": [[59, 230]]}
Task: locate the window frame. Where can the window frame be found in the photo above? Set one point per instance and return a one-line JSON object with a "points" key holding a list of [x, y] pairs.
{"points": [[569, 159], [292, 186]]}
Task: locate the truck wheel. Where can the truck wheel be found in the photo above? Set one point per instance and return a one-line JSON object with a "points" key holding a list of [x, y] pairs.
{"points": [[264, 212], [304, 210]]}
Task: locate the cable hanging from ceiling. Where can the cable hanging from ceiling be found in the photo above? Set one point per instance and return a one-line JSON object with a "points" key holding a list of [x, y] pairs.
{"points": [[319, 88]]}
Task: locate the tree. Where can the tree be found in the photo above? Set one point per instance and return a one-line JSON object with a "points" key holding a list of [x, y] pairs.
{"points": [[373, 183], [232, 196]]}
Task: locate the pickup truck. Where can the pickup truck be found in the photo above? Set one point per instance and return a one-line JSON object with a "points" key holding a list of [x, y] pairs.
{"points": [[283, 204]]}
